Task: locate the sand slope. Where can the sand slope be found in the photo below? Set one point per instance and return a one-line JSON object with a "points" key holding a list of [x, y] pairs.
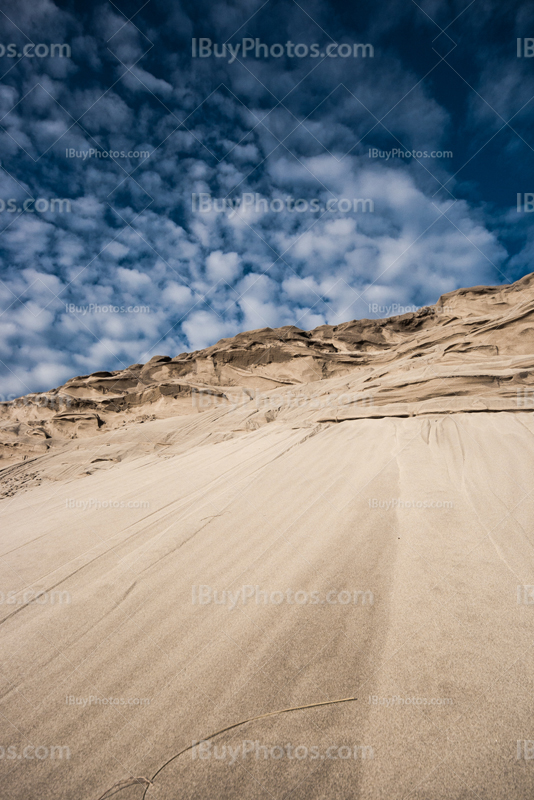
{"points": [[420, 515]]}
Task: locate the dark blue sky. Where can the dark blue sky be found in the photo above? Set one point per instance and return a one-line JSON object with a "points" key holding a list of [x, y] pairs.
{"points": [[247, 133]]}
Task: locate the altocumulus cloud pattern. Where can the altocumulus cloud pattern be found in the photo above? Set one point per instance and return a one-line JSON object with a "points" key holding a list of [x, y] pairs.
{"points": [[234, 165]]}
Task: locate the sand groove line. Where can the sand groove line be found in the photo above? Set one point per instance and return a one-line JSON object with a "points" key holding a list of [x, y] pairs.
{"points": [[149, 782]]}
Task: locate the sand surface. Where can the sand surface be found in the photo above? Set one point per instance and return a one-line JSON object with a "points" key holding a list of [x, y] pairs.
{"points": [[368, 535]]}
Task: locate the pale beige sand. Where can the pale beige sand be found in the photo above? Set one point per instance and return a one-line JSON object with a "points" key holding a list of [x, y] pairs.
{"points": [[281, 497]]}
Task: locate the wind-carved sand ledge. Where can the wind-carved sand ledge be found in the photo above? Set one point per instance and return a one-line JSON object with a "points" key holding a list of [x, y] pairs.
{"points": [[471, 352]]}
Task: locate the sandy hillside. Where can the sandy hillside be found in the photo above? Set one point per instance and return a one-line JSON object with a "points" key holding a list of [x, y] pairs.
{"points": [[282, 519]]}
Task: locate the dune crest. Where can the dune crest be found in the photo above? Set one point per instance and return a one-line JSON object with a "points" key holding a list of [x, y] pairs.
{"points": [[471, 351]]}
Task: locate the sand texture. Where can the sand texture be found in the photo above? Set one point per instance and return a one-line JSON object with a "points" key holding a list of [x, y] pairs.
{"points": [[367, 534]]}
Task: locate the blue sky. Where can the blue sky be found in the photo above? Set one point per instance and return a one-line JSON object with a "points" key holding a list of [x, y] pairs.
{"points": [[440, 77]]}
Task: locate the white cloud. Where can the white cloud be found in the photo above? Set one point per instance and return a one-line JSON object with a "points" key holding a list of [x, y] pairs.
{"points": [[223, 266], [203, 328], [132, 238], [138, 79]]}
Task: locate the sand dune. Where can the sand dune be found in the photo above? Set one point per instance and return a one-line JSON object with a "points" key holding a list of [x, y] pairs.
{"points": [[282, 519], [472, 351]]}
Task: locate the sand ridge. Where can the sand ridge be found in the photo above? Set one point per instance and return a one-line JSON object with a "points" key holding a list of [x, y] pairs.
{"points": [[472, 351]]}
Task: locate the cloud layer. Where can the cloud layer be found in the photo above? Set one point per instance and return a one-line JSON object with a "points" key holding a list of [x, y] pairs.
{"points": [[207, 197]]}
